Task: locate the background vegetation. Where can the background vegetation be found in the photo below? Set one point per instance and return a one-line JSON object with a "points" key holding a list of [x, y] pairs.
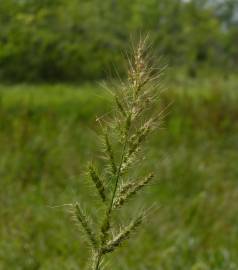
{"points": [[46, 140], [48, 129], [81, 40]]}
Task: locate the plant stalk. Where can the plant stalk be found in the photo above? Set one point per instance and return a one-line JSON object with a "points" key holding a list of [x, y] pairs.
{"points": [[109, 209]]}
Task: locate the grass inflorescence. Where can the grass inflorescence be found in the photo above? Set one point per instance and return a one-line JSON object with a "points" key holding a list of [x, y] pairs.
{"points": [[134, 118]]}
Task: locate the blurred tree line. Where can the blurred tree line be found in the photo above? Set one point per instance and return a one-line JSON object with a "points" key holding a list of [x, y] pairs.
{"points": [[72, 40]]}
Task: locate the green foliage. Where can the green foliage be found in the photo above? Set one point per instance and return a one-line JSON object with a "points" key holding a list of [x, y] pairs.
{"points": [[79, 40]]}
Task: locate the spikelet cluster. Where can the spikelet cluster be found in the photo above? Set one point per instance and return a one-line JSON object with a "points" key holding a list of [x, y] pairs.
{"points": [[130, 189], [83, 220], [98, 182], [122, 235], [123, 137]]}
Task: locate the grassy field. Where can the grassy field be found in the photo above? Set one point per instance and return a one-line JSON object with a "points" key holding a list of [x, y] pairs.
{"points": [[47, 135]]}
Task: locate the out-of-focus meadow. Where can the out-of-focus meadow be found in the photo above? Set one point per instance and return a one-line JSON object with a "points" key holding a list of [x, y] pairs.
{"points": [[48, 131]]}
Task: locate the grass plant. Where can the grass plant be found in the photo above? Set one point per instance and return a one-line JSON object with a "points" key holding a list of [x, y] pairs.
{"points": [[123, 136]]}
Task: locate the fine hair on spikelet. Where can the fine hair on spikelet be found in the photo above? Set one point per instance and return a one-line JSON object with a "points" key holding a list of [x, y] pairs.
{"points": [[134, 117]]}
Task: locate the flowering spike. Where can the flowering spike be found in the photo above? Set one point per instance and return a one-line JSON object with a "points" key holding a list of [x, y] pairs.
{"points": [[98, 183]]}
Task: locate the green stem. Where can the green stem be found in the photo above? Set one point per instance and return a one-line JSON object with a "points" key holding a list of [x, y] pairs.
{"points": [[97, 263], [118, 174], [108, 212]]}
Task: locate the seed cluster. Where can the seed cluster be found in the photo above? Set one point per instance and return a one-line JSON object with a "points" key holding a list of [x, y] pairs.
{"points": [[123, 139]]}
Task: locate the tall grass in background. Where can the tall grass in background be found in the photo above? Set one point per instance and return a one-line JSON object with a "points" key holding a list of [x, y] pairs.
{"points": [[46, 138]]}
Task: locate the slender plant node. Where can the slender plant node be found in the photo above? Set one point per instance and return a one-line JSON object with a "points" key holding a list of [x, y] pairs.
{"points": [[134, 118]]}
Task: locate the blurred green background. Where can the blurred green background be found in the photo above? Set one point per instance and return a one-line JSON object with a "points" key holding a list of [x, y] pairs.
{"points": [[78, 40], [53, 56]]}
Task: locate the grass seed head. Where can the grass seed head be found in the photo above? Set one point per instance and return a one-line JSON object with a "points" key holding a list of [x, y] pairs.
{"points": [[98, 182]]}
